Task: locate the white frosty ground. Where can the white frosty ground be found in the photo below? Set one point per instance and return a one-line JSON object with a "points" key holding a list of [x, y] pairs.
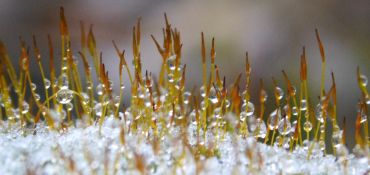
{"points": [[50, 152]]}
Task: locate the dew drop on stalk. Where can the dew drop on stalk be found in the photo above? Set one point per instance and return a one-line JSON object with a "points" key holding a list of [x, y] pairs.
{"points": [[337, 137], [294, 110], [186, 97], [98, 108], [25, 107], [171, 62], [280, 93], [64, 81], [47, 83], [64, 96], [261, 128], [69, 106], [243, 116], [217, 112], [202, 92], [99, 89], [16, 113], [117, 100], [303, 104], [273, 119], [319, 113], [363, 118], [33, 86], [170, 78], [212, 96], [264, 96], [307, 126], [284, 126], [85, 98], [252, 123], [248, 108], [363, 80], [37, 97]]}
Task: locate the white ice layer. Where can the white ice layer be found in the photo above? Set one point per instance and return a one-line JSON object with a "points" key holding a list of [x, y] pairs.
{"points": [[85, 150]]}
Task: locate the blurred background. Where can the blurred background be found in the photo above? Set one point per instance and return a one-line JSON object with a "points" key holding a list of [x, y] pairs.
{"points": [[272, 32]]}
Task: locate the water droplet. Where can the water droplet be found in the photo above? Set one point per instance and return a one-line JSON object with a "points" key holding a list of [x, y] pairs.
{"points": [[64, 81], [227, 103], [47, 83], [37, 97], [85, 98], [279, 93], [248, 108], [273, 119], [69, 106], [363, 118], [98, 108], [33, 86], [307, 126], [170, 78], [64, 96], [337, 137], [264, 96], [202, 92], [16, 113], [294, 110], [303, 104], [363, 80], [252, 123], [319, 113], [171, 62], [212, 96], [284, 126], [99, 89], [261, 128], [117, 100], [25, 107], [243, 116], [186, 97]]}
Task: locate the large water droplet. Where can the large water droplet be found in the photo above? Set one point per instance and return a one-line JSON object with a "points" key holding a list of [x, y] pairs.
{"points": [[264, 96], [363, 80], [64, 81], [69, 106], [248, 108], [363, 118], [99, 89], [117, 100], [64, 96], [213, 96], [37, 97], [279, 93], [319, 113], [186, 97], [261, 128], [85, 98], [303, 104], [274, 119], [47, 83], [33, 86], [307, 126], [98, 108], [171, 62], [25, 107], [202, 91], [284, 127]]}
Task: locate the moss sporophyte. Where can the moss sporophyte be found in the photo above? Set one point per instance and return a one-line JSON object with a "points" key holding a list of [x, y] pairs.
{"points": [[183, 131]]}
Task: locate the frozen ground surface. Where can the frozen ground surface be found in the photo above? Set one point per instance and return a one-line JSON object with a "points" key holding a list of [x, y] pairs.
{"points": [[83, 150]]}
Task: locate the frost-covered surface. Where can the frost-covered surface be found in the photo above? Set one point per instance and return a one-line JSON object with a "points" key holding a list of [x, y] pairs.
{"points": [[84, 150]]}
